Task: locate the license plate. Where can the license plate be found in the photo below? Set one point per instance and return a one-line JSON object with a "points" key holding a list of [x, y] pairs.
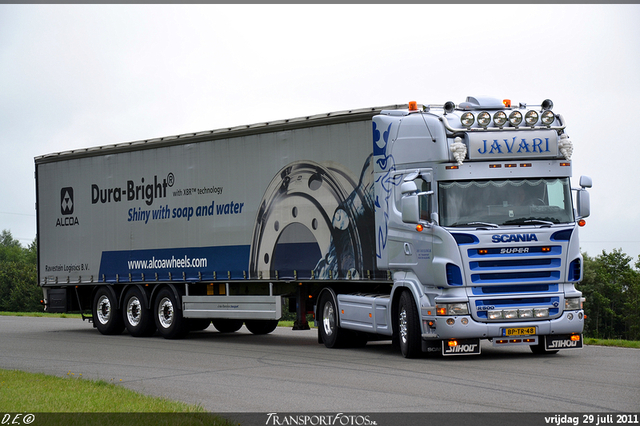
{"points": [[519, 331]]}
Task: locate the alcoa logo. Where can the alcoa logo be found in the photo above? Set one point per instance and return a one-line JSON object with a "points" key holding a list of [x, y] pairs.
{"points": [[513, 238], [66, 201], [67, 208]]}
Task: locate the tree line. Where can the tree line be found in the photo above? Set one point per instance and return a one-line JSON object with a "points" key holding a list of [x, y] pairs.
{"points": [[611, 286]]}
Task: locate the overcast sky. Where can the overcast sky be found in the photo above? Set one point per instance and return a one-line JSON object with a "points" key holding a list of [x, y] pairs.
{"points": [[74, 76]]}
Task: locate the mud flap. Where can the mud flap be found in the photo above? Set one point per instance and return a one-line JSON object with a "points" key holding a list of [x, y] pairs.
{"points": [[563, 341], [461, 347]]}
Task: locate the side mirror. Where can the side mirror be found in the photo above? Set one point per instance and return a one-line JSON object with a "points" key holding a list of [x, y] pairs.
{"points": [[410, 209], [583, 202], [585, 181]]}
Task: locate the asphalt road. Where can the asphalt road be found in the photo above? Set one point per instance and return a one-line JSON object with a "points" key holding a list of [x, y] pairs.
{"points": [[288, 371]]}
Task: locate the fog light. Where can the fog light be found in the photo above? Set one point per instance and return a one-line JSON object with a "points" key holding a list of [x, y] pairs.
{"points": [[580, 315], [525, 313], [464, 321], [510, 313], [450, 321], [541, 313], [570, 316], [493, 315]]}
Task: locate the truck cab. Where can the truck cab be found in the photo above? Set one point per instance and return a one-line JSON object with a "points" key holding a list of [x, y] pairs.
{"points": [[478, 223]]}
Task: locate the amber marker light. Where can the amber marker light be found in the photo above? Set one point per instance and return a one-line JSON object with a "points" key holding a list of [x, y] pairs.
{"points": [[483, 251], [451, 167], [495, 166], [565, 164], [509, 166], [507, 103], [582, 222], [575, 337], [546, 249], [452, 343], [419, 228], [413, 106]]}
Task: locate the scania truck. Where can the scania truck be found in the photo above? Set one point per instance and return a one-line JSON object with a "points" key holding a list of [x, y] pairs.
{"points": [[434, 226]]}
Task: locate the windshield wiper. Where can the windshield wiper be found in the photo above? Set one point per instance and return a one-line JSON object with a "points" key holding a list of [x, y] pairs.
{"points": [[490, 225], [532, 221]]}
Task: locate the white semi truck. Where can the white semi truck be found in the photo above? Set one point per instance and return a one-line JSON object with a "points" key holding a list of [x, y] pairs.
{"points": [[435, 226]]}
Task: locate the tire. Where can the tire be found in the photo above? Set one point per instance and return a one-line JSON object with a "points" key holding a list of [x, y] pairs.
{"points": [[409, 334], [261, 326], [540, 348], [106, 316], [199, 324], [224, 325], [168, 318], [332, 336], [137, 317]]}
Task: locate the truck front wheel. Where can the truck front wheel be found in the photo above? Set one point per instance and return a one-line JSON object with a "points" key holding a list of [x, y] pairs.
{"points": [[106, 315], [168, 317], [138, 318], [409, 334]]}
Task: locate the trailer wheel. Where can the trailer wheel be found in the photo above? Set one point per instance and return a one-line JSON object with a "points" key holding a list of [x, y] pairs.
{"points": [[168, 317], [261, 326], [227, 325], [138, 319], [106, 315], [332, 335], [409, 327]]}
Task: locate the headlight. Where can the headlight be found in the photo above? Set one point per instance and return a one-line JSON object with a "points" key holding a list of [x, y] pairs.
{"points": [[484, 119], [452, 309], [500, 118], [531, 118], [572, 304], [515, 118], [467, 119], [548, 117]]}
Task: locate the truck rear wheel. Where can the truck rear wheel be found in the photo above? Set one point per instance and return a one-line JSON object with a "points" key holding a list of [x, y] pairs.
{"points": [[106, 315], [138, 318], [261, 326], [332, 335], [227, 325], [409, 334], [168, 317]]}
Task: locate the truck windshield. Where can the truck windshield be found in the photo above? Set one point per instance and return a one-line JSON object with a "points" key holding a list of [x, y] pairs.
{"points": [[494, 203]]}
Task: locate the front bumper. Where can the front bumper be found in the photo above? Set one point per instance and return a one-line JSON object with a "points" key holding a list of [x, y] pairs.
{"points": [[436, 327]]}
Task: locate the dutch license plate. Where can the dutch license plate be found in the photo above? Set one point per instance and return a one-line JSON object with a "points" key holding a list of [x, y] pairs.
{"points": [[519, 331]]}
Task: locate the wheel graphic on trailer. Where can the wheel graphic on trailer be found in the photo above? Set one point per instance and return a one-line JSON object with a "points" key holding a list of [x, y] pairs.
{"points": [[308, 221]]}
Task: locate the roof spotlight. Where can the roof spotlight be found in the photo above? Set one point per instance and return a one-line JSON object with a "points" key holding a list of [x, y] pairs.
{"points": [[484, 119], [547, 105], [515, 118]]}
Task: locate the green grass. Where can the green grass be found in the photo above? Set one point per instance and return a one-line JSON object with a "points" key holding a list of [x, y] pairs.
{"points": [[22, 392], [613, 342]]}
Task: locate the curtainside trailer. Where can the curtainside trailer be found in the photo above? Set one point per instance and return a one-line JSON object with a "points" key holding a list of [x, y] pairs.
{"points": [[436, 226]]}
